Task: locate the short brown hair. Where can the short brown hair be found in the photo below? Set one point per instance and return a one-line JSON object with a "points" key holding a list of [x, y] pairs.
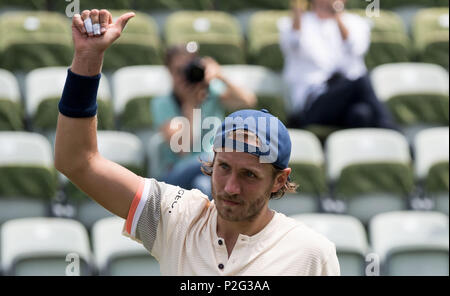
{"points": [[288, 187]]}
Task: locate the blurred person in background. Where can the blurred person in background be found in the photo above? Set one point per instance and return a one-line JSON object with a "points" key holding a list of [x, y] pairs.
{"points": [[198, 83], [324, 51]]}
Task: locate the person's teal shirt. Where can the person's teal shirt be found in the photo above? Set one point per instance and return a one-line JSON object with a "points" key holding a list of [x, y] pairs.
{"points": [[164, 108]]}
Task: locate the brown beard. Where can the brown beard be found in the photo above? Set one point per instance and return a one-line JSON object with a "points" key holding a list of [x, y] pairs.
{"points": [[248, 210]]}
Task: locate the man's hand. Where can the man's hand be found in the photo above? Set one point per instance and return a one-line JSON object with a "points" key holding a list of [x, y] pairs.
{"points": [[90, 48]]}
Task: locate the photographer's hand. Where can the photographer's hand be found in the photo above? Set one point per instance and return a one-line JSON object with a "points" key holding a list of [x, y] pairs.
{"points": [[212, 69], [234, 97]]}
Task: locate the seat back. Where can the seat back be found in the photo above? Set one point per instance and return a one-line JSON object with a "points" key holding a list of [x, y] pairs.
{"points": [[370, 169], [116, 254], [406, 240], [266, 84], [41, 246], [263, 38], [134, 87], [217, 34], [44, 87], [31, 40], [11, 113], [139, 43]]}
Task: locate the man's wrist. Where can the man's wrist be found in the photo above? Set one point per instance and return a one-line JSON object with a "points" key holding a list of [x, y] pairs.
{"points": [[79, 97], [87, 63]]}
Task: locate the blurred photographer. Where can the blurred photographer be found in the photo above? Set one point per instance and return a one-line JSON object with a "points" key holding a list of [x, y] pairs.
{"points": [[324, 49], [197, 84]]}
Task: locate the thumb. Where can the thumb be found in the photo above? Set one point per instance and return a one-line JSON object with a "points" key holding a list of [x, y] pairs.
{"points": [[123, 20]]}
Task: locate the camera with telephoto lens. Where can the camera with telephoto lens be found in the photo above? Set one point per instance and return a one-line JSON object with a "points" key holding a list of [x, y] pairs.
{"points": [[195, 71]]}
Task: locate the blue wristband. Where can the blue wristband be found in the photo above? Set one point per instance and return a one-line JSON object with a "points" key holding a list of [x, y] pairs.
{"points": [[79, 98]]}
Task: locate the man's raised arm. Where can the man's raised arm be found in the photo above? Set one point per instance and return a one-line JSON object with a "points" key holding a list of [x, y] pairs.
{"points": [[76, 153]]}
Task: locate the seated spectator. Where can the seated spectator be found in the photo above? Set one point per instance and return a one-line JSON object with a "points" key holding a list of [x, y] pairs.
{"points": [[197, 84], [324, 68]]}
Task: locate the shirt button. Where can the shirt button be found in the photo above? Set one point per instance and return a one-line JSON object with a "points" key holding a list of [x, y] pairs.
{"points": [[221, 266], [220, 242]]}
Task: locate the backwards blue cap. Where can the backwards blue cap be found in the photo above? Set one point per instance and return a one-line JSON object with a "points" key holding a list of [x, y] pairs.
{"points": [[274, 145]]}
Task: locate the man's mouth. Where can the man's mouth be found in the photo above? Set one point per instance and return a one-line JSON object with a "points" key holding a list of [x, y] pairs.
{"points": [[230, 203]]}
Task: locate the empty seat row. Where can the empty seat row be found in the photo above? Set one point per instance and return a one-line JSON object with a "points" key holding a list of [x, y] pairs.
{"points": [[230, 5], [404, 243], [398, 243], [38, 39], [55, 246]]}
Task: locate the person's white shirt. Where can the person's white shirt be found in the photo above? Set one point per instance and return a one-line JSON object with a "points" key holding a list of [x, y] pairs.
{"points": [[317, 50]]}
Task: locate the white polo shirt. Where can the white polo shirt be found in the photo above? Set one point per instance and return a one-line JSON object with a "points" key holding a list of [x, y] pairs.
{"points": [[179, 226]]}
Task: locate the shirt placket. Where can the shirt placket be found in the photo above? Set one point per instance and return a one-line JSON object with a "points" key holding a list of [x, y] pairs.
{"points": [[222, 255], [239, 257]]}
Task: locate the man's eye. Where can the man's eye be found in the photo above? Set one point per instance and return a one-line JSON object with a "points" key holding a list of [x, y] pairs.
{"points": [[250, 174], [223, 166]]}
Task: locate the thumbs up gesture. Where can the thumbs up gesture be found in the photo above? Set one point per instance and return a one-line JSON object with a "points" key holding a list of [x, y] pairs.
{"points": [[93, 32]]}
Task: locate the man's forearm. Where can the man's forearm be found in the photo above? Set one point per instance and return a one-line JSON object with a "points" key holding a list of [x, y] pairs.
{"points": [[76, 134], [87, 64]]}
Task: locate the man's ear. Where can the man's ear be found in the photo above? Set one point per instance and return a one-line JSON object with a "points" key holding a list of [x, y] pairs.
{"points": [[281, 179]]}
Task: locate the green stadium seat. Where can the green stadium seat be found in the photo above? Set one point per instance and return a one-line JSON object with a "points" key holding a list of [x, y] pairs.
{"points": [[134, 87], [389, 39], [91, 4], [123, 148], [263, 38], [41, 246], [411, 243], [117, 255], [395, 4], [174, 4], [30, 40], [234, 5], [348, 235], [24, 4], [432, 165], [217, 34], [416, 94], [11, 109], [266, 84], [139, 44], [27, 177], [307, 164], [370, 170], [431, 35], [44, 87]]}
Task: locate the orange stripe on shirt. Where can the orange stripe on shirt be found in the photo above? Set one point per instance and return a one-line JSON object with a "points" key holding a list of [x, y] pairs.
{"points": [[134, 205]]}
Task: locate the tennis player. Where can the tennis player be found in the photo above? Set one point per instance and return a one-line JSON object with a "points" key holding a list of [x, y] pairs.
{"points": [[236, 233]]}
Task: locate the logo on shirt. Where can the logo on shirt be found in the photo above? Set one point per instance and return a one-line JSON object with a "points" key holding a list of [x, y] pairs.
{"points": [[176, 199]]}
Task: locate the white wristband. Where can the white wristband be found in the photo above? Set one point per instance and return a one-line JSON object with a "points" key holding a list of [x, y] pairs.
{"points": [[96, 28], [88, 25]]}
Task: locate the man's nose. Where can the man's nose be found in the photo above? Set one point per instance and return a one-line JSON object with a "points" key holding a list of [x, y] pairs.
{"points": [[232, 185]]}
